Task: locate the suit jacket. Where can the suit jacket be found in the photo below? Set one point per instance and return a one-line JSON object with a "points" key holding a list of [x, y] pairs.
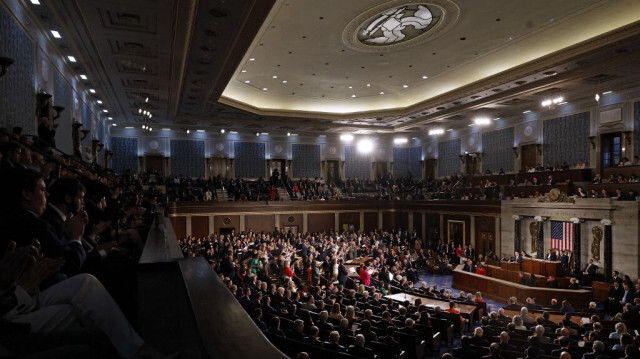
{"points": [[22, 226], [591, 269], [551, 257], [628, 298], [343, 274], [593, 355], [616, 294], [465, 353], [360, 352]]}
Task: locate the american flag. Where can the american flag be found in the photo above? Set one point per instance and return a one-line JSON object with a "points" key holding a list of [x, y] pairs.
{"points": [[562, 235]]}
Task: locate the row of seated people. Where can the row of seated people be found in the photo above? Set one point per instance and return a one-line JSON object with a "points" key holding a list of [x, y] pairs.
{"points": [[69, 241]]}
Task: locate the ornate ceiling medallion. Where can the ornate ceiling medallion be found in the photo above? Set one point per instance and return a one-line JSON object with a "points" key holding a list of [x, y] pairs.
{"points": [[391, 26]]}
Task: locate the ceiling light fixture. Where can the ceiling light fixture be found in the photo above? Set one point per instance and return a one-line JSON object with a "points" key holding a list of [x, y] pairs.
{"points": [[552, 101], [527, 111], [84, 77], [607, 92], [275, 76], [288, 134], [35, 2], [72, 59], [233, 132], [199, 130], [56, 34], [114, 125], [381, 93], [222, 131], [247, 82], [144, 127], [243, 71], [284, 81], [166, 129], [437, 131], [129, 127], [424, 77], [146, 99], [264, 89], [400, 140], [110, 118], [405, 86], [92, 90], [365, 145], [353, 95], [481, 121], [257, 133], [252, 59], [346, 137], [99, 102], [105, 110], [188, 131]]}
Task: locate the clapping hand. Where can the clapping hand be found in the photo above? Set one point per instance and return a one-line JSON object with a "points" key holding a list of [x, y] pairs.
{"points": [[13, 264]]}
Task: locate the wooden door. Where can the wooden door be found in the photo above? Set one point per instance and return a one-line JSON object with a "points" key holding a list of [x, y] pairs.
{"points": [[333, 171], [381, 169], [218, 167], [154, 164], [471, 165], [430, 168], [529, 156]]}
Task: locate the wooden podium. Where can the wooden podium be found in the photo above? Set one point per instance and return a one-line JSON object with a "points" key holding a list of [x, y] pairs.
{"points": [[541, 267]]}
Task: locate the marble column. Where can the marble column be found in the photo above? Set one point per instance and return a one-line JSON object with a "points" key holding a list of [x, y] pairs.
{"points": [[577, 242], [540, 239], [608, 249], [517, 233]]}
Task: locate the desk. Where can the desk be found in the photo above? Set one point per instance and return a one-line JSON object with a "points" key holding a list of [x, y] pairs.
{"points": [[541, 267], [574, 175], [500, 290], [601, 290], [530, 191], [556, 318], [512, 266], [432, 303]]}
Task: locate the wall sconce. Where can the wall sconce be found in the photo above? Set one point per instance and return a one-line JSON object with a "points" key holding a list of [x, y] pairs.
{"points": [[84, 134], [5, 62], [592, 140], [515, 151], [58, 110]]}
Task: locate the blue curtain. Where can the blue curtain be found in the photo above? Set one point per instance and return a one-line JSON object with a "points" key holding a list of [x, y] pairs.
{"points": [[406, 162], [187, 158], [496, 146], [449, 157], [250, 159], [567, 139], [125, 154], [306, 160], [356, 164]]}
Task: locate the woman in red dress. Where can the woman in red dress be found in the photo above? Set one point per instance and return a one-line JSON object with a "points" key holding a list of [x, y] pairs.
{"points": [[365, 277]]}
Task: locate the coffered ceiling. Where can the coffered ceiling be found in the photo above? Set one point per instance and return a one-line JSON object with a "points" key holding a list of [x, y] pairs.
{"points": [[307, 66]]}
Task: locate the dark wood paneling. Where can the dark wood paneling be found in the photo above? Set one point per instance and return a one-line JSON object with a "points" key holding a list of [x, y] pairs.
{"points": [[485, 235], [350, 219], [200, 226], [218, 222], [417, 223], [499, 290], [259, 223], [402, 220], [179, 226], [318, 222], [467, 230], [370, 221], [297, 220], [389, 220]]}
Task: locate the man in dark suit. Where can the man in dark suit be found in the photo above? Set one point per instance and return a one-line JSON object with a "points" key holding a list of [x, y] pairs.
{"points": [[550, 180], [478, 339], [598, 350], [358, 349], [367, 332], [408, 329], [27, 198], [469, 266], [312, 339], [296, 333], [564, 347], [517, 257], [627, 294], [504, 342], [613, 299], [470, 252], [589, 272], [343, 273], [551, 255], [390, 341], [334, 342]]}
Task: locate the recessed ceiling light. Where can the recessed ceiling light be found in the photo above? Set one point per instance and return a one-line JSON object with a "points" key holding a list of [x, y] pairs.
{"points": [[35, 2], [84, 77], [233, 132], [288, 134], [222, 130], [353, 95], [264, 89], [346, 137], [72, 59], [56, 34], [146, 99], [449, 129], [264, 133], [166, 129], [405, 86], [247, 81], [400, 140], [199, 130], [92, 90], [105, 111], [99, 102], [252, 59], [188, 131], [114, 125], [129, 127], [284, 81], [275, 76], [482, 121], [368, 85], [109, 118], [243, 71], [424, 77], [607, 92], [496, 119], [527, 111], [381, 93], [257, 133], [350, 87], [436, 132]]}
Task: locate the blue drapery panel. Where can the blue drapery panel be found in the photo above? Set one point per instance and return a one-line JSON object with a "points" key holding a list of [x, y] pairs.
{"points": [[17, 96], [449, 157], [125, 154], [86, 124], [636, 128], [356, 164], [497, 146], [567, 139], [250, 157], [187, 158], [406, 162], [306, 160]]}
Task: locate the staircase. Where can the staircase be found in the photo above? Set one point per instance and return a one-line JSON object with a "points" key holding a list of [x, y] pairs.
{"points": [[283, 194]]}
